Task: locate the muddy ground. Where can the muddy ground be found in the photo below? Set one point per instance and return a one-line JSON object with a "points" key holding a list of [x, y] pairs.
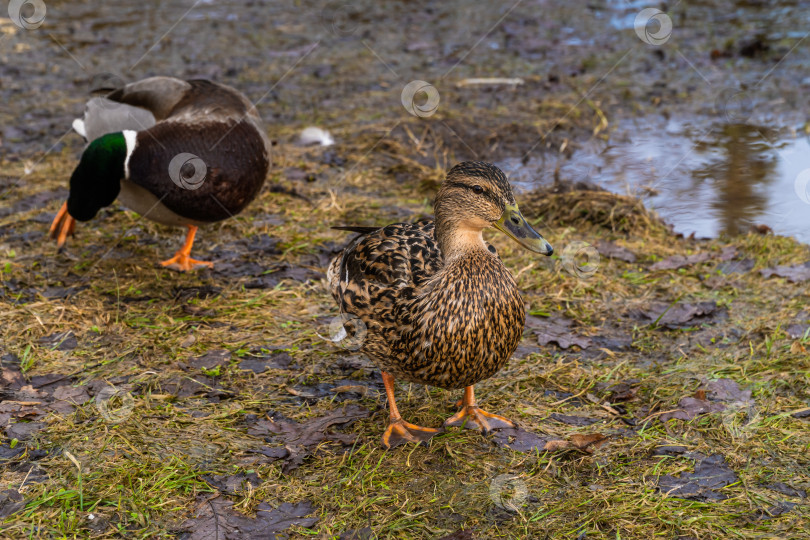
{"points": [[661, 386]]}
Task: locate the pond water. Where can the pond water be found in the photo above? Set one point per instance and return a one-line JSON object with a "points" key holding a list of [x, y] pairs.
{"points": [[710, 182]]}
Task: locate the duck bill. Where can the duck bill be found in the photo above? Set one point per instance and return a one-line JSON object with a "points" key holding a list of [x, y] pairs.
{"points": [[515, 226]]}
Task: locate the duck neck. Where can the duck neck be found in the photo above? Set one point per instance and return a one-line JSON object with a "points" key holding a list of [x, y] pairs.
{"points": [[458, 238]]}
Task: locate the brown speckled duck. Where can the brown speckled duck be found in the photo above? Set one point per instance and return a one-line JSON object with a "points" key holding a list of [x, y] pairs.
{"points": [[181, 153], [439, 306]]}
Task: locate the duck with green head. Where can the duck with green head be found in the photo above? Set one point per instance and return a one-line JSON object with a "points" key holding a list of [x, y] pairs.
{"points": [[438, 305], [181, 153]]}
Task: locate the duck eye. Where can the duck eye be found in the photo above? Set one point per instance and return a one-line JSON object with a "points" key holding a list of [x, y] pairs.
{"points": [[478, 190]]}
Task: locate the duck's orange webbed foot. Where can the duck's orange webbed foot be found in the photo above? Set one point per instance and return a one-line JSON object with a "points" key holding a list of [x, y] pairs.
{"points": [[63, 225], [182, 260], [473, 417], [399, 431], [402, 432]]}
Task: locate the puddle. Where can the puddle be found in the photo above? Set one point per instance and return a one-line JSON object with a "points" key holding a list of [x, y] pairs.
{"points": [[710, 183]]}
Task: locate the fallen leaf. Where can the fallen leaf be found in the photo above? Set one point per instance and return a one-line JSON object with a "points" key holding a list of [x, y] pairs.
{"points": [[277, 360], [726, 390], [711, 473], [67, 398], [351, 388], [680, 261], [211, 359], [556, 445], [11, 501], [801, 413], [736, 267], [11, 379], [622, 392], [520, 440], [794, 274], [585, 442], [573, 420], [557, 331], [358, 534], [61, 341], [614, 251], [214, 519], [691, 407], [674, 316], [785, 489], [274, 454], [234, 483], [23, 431], [300, 439], [774, 511]]}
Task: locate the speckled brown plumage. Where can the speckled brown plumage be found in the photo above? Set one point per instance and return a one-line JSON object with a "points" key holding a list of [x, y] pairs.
{"points": [[443, 319], [439, 306]]}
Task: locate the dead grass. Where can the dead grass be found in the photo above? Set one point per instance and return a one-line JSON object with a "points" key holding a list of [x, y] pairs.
{"points": [[139, 327]]}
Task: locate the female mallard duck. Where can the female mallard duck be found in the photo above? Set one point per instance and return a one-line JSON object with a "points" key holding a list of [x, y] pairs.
{"points": [[439, 306], [181, 153]]}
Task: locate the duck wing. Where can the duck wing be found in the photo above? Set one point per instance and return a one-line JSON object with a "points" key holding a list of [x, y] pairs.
{"points": [[103, 116], [380, 270], [190, 101]]}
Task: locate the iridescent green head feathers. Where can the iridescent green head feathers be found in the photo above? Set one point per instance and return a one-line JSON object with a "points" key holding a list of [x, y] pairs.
{"points": [[96, 181]]}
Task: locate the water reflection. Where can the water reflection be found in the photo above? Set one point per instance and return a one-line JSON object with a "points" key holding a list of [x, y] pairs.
{"points": [[707, 183], [741, 168]]}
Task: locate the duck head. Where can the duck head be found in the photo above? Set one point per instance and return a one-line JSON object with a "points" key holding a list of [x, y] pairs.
{"points": [[476, 195]]}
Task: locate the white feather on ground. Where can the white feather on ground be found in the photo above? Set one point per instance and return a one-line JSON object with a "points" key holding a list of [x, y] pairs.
{"points": [[315, 135]]}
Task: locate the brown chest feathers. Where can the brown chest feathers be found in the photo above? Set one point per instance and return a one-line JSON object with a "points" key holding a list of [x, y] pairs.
{"points": [[464, 325]]}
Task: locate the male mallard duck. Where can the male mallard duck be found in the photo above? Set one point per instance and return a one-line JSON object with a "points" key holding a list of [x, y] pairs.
{"points": [[181, 153], [439, 306]]}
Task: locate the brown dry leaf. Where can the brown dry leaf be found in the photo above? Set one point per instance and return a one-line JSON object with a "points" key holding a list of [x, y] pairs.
{"points": [[794, 274], [300, 439], [680, 314], [692, 407], [588, 442], [679, 261], [614, 251], [796, 347], [557, 445], [356, 388], [557, 331]]}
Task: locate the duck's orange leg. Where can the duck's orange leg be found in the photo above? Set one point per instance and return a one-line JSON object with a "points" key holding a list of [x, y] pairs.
{"points": [[182, 260], [399, 431], [473, 417], [63, 225]]}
